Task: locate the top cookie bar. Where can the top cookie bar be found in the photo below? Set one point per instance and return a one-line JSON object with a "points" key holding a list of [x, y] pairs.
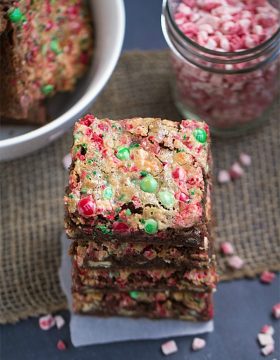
{"points": [[140, 178]]}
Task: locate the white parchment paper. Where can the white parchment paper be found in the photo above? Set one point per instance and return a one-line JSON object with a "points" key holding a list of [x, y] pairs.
{"points": [[88, 330]]}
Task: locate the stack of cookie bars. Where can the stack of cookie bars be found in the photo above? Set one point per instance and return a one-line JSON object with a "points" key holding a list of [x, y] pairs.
{"points": [[138, 213]]}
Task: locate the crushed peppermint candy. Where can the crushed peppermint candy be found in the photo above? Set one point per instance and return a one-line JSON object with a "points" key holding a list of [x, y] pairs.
{"points": [[61, 345], [66, 161], [59, 321], [198, 344], [223, 177], [235, 262], [267, 277], [276, 311], [170, 347], [226, 100], [236, 171], [227, 248], [46, 322], [245, 159], [268, 349], [267, 329], [265, 339]]}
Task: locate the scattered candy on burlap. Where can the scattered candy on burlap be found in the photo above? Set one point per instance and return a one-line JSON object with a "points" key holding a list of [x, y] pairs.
{"points": [[236, 171], [170, 347], [198, 344], [245, 159], [223, 177], [46, 322], [66, 161], [227, 248], [267, 277], [235, 262]]}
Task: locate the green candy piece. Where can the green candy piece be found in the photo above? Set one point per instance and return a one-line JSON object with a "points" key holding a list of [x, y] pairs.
{"points": [[108, 192], [134, 294], [54, 45], [128, 212], [166, 198], [134, 145], [200, 135], [15, 15], [149, 184], [47, 89], [143, 173], [103, 229], [151, 226], [123, 153]]}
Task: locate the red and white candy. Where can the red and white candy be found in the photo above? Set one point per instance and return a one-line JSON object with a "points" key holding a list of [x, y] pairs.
{"points": [[198, 344], [268, 349], [236, 171], [59, 321], [245, 159], [276, 311], [170, 347], [61, 345], [66, 161], [267, 277], [267, 329], [227, 248], [235, 262], [227, 100], [46, 322], [265, 339], [223, 177]]}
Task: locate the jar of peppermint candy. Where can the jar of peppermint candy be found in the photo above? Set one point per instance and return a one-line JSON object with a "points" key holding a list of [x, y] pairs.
{"points": [[225, 55]]}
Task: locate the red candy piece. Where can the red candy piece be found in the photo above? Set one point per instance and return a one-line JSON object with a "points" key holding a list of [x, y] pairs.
{"points": [[183, 197], [87, 206], [276, 311], [267, 277], [227, 248], [120, 227], [179, 174], [150, 254], [267, 329], [103, 127], [46, 322], [87, 120], [61, 345]]}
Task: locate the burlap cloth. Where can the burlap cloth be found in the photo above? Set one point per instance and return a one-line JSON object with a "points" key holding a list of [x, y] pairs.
{"points": [[247, 211]]}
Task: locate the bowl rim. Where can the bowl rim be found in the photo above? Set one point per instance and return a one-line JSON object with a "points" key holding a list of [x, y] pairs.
{"points": [[84, 102]]}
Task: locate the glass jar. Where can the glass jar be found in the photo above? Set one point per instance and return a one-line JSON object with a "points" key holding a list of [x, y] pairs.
{"points": [[231, 91]]}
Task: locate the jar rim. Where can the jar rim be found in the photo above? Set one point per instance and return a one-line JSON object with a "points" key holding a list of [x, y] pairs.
{"points": [[229, 54]]}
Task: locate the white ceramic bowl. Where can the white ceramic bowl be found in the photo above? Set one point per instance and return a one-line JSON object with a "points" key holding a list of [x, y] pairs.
{"points": [[65, 109]]}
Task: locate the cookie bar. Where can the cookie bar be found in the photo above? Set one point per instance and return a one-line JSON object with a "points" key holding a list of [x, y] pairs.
{"points": [[166, 304], [45, 47], [93, 254], [141, 179], [138, 212], [143, 279]]}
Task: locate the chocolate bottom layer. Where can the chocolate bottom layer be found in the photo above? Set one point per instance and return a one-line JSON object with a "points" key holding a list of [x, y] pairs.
{"points": [[127, 279], [91, 254], [194, 237], [166, 304]]}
